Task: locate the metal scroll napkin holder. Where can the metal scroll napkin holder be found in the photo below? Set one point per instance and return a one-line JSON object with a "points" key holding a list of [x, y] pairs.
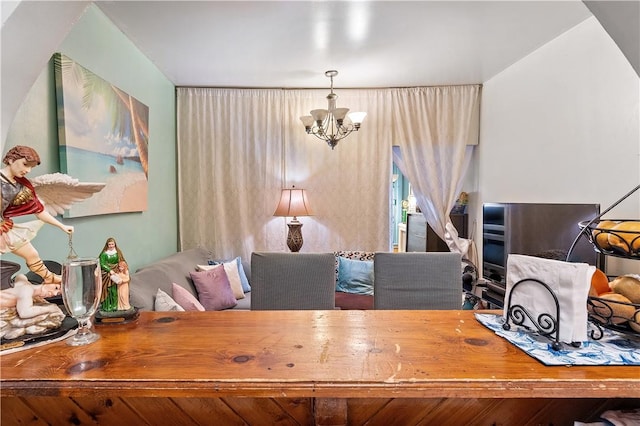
{"points": [[546, 324]]}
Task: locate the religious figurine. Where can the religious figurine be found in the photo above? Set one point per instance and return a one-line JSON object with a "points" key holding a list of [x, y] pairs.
{"points": [[56, 192], [18, 199], [122, 272], [24, 310], [115, 278]]}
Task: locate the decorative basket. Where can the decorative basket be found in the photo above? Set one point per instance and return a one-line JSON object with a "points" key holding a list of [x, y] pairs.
{"points": [[615, 315], [624, 242], [614, 242]]}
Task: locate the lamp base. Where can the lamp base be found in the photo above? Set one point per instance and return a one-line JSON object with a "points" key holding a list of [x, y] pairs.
{"points": [[294, 237]]}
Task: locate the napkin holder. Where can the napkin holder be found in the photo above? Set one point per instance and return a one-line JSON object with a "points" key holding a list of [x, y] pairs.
{"points": [[547, 324]]}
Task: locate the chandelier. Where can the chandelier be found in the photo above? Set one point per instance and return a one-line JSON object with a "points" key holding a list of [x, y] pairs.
{"points": [[332, 124]]}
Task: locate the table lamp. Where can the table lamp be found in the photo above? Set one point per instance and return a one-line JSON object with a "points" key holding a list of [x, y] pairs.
{"points": [[293, 202]]}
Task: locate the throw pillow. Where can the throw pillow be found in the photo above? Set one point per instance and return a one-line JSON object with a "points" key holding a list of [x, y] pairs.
{"points": [[246, 287], [214, 289], [231, 269], [354, 255], [185, 299], [164, 303], [355, 276]]}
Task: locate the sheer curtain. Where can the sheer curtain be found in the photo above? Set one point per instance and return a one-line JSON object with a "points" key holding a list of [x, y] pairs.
{"points": [[436, 138], [237, 148], [230, 161]]}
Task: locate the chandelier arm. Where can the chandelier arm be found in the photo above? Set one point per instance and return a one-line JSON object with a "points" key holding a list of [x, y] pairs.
{"points": [[320, 136], [338, 132]]}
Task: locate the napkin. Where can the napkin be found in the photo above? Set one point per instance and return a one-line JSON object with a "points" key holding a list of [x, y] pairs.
{"points": [[570, 283]]}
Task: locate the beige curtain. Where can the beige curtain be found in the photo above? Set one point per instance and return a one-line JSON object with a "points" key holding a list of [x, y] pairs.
{"points": [[230, 160], [439, 129], [238, 148]]}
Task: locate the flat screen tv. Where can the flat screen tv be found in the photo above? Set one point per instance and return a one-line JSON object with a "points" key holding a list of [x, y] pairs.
{"points": [[536, 229]]}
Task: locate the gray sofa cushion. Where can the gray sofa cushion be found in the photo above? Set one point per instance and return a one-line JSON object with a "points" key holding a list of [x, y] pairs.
{"points": [[244, 304], [146, 281]]}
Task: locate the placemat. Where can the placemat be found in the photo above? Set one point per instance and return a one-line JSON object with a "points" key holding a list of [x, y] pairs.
{"points": [[612, 349]]}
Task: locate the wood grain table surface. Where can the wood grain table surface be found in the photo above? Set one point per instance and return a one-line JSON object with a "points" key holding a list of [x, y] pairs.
{"points": [[337, 354]]}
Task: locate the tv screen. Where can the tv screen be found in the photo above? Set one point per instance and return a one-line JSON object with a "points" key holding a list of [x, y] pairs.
{"points": [[536, 229]]}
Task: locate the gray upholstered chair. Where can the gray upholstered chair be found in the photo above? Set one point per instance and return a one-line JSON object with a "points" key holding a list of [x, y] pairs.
{"points": [[292, 281], [430, 280]]}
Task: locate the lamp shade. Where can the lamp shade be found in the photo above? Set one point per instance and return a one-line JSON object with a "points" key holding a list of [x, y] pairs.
{"points": [[319, 115], [357, 117], [293, 202]]}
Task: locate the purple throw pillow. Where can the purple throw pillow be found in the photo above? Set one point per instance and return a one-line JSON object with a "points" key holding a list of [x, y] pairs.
{"points": [[214, 289]]}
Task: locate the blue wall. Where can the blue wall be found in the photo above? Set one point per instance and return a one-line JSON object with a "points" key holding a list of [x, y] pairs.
{"points": [[96, 44]]}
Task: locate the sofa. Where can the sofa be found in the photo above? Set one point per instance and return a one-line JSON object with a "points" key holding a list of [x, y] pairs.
{"points": [[154, 287], [175, 269]]}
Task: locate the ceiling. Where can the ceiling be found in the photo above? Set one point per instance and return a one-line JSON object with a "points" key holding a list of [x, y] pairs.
{"points": [[372, 44]]}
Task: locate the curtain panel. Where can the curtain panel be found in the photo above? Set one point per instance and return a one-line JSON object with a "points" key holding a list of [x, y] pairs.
{"points": [[237, 148], [440, 128], [230, 145]]}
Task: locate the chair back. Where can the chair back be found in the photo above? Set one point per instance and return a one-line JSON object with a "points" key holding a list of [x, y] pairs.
{"points": [[292, 281], [429, 280]]}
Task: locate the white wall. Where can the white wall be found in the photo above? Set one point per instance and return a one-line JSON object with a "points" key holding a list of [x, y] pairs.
{"points": [[563, 125]]}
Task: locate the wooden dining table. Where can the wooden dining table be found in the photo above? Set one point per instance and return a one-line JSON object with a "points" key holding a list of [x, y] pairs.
{"points": [[303, 367]]}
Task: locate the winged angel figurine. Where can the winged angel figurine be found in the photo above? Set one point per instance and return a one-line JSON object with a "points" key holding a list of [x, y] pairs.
{"points": [[55, 193]]}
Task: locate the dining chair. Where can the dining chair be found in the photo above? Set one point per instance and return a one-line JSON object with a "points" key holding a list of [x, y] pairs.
{"points": [[425, 280], [292, 281]]}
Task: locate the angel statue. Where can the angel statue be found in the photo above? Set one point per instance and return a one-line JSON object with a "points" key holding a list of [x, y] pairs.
{"points": [[55, 193]]}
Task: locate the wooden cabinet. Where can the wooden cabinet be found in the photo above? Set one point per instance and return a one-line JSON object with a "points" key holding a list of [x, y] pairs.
{"points": [[420, 236]]}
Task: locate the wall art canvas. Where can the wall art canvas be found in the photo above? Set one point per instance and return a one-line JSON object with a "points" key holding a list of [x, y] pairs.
{"points": [[103, 136]]}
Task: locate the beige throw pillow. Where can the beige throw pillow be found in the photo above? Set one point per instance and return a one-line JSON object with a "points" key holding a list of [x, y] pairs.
{"points": [[165, 303]]}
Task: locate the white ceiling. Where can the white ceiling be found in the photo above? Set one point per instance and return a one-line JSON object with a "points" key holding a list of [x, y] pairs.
{"points": [[371, 44]]}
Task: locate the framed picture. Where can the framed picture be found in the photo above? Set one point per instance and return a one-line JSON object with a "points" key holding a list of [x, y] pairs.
{"points": [[104, 136]]}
